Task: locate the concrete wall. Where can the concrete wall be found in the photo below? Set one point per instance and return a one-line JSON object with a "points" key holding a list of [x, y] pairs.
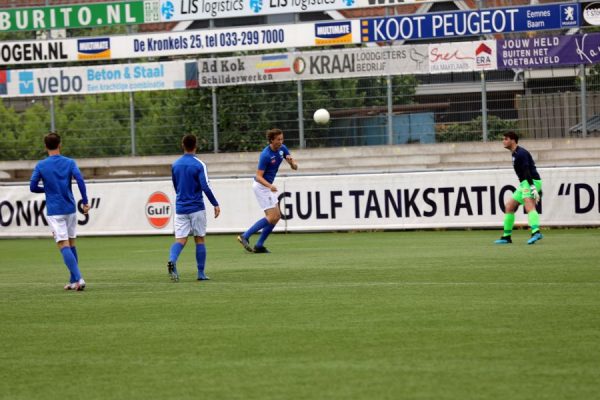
{"points": [[411, 157]]}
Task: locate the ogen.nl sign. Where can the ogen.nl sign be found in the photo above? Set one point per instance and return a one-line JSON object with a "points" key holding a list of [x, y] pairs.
{"points": [[78, 16]]}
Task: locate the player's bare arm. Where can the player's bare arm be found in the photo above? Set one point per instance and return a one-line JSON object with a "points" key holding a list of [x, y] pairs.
{"points": [[86, 208], [292, 162], [217, 211]]}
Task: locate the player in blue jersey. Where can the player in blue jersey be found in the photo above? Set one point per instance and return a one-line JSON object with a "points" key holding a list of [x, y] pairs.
{"points": [[266, 192], [56, 173], [528, 193], [190, 180]]}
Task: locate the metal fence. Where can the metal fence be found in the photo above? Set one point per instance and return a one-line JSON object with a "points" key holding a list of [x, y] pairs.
{"points": [[369, 111]]}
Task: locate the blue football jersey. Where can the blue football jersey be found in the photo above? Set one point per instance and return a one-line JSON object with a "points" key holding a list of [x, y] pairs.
{"points": [[57, 173], [269, 161], [190, 180]]}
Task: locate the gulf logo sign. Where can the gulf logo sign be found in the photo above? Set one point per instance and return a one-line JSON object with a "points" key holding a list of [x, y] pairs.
{"points": [[158, 210]]}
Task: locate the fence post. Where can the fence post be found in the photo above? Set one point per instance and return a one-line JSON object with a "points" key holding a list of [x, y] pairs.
{"points": [[484, 116], [299, 90], [215, 118], [390, 111], [52, 115], [300, 115], [132, 122], [131, 109], [584, 118], [52, 110], [215, 114]]}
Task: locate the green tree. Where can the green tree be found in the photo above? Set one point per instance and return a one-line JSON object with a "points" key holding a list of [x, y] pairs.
{"points": [[35, 123], [9, 129], [99, 125], [473, 130], [95, 126], [245, 112]]}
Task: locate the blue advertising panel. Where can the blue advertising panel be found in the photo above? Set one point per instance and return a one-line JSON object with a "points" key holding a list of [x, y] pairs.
{"points": [[471, 23]]}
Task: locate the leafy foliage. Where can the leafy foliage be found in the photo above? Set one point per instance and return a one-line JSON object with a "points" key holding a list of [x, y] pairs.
{"points": [[9, 132], [100, 125], [473, 130]]}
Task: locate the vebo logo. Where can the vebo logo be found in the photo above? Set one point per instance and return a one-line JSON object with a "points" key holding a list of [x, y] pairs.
{"points": [[158, 210], [62, 83]]}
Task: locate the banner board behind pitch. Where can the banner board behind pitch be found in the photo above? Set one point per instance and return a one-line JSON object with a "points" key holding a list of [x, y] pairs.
{"points": [[418, 200]]}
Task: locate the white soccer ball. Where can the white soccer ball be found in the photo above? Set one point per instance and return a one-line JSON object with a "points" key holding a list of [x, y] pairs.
{"points": [[321, 116]]}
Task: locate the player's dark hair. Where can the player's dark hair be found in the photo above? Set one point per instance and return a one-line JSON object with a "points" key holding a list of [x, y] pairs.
{"points": [[52, 140], [512, 135], [273, 133], [189, 142]]}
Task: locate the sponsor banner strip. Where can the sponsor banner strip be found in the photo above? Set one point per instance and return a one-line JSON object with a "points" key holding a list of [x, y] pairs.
{"points": [[269, 37], [78, 16], [70, 16], [368, 61], [471, 22], [257, 69], [265, 37], [184, 10], [100, 79], [462, 56], [332, 202]]}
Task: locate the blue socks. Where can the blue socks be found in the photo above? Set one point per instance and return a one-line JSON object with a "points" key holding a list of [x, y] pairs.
{"points": [[200, 259], [175, 252], [260, 224], [74, 251], [176, 249], [71, 262], [264, 234]]}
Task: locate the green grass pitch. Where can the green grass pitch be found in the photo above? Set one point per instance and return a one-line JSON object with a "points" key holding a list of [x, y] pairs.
{"points": [[373, 315]]}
